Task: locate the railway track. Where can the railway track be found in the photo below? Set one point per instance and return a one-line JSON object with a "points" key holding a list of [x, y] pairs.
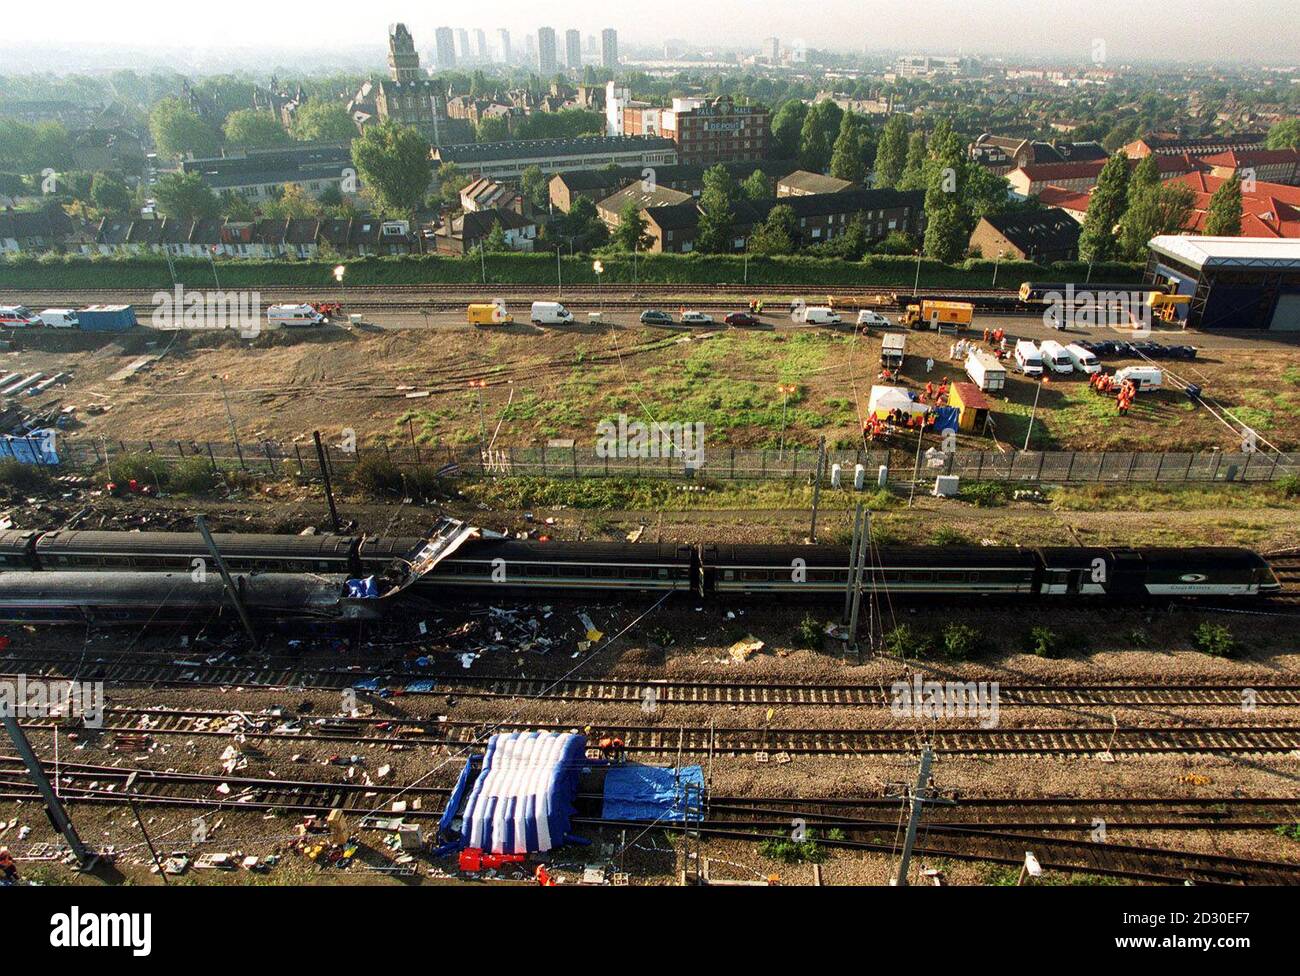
{"points": [[132, 672], [667, 740]]}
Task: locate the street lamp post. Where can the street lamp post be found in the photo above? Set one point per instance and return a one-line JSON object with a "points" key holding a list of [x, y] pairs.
{"points": [[559, 277], [917, 283], [599, 268], [996, 263], [1033, 412]]}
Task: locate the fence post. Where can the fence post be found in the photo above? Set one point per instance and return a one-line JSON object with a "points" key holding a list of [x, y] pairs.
{"points": [[211, 457], [1101, 465], [732, 476], [1218, 463], [575, 460], [1160, 466], [543, 460], [240, 452], [1070, 470], [1132, 460], [1246, 467], [1191, 459], [302, 471]]}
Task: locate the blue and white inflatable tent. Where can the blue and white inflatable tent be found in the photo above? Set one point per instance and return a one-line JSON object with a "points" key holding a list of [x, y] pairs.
{"points": [[522, 800]]}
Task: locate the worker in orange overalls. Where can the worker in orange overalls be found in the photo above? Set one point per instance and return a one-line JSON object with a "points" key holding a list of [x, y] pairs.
{"points": [[986, 336], [929, 389], [8, 869]]}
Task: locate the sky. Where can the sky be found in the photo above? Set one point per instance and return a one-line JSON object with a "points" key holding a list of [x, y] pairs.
{"points": [[1222, 30]]}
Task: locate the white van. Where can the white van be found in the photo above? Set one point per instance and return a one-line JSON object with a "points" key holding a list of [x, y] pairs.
{"points": [[1143, 377], [1084, 361], [18, 317], [1055, 357], [1027, 358], [551, 313], [60, 318], [293, 316], [867, 319], [820, 315]]}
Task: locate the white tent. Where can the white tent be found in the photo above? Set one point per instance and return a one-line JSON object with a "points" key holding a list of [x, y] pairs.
{"points": [[885, 399]]}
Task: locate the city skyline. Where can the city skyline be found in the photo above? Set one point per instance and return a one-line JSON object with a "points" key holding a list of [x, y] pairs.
{"points": [[1248, 31]]}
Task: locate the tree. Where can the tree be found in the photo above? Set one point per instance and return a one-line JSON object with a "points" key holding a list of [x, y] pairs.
{"points": [[984, 193], [450, 182], [1144, 176], [393, 160], [913, 177], [1106, 207], [630, 233], [821, 126], [893, 152], [292, 204], [581, 226], [250, 129], [493, 128], [1284, 135], [946, 234], [323, 122], [496, 242], [716, 215], [110, 194], [848, 156], [178, 131], [1223, 216], [787, 124], [756, 186], [186, 197], [776, 234], [1162, 209], [535, 188]]}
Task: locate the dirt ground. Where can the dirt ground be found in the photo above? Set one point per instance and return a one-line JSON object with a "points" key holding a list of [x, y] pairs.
{"points": [[550, 383]]}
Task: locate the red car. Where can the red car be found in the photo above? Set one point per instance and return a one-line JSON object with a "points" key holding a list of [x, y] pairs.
{"points": [[742, 319]]}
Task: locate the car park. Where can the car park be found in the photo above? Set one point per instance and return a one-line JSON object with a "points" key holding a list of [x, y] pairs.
{"points": [[653, 316]]}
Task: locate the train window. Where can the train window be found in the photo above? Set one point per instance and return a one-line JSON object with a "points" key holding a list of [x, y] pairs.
{"points": [[662, 572], [824, 576], [918, 576], [537, 569], [603, 572], [754, 575], [728, 574], [949, 576], [637, 572]]}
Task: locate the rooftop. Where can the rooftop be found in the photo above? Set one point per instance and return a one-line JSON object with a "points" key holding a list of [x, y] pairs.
{"points": [[483, 152], [1228, 252]]}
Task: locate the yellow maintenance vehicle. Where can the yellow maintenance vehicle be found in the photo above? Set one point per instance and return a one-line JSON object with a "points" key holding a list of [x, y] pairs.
{"points": [[1168, 308], [940, 316], [489, 313]]}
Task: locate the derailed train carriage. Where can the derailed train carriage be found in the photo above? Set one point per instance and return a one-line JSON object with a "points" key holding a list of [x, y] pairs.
{"points": [[554, 569]]}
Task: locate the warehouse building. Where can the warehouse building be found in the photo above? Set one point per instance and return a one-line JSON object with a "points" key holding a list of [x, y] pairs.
{"points": [[1235, 282]]}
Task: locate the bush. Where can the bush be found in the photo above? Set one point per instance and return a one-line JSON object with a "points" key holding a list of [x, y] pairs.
{"points": [[375, 474], [960, 642], [1044, 642], [946, 535], [1139, 637], [145, 469], [902, 641], [192, 476], [810, 632], [1214, 639], [23, 478], [985, 494], [793, 851], [1289, 486]]}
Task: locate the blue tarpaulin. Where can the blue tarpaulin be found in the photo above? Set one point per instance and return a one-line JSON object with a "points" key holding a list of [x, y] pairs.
{"points": [[945, 418], [367, 684], [36, 448], [423, 685], [363, 589], [647, 792]]}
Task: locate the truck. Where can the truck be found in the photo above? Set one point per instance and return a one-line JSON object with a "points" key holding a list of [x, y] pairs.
{"points": [[892, 345], [488, 313], [106, 318], [550, 313], [940, 316], [985, 371]]}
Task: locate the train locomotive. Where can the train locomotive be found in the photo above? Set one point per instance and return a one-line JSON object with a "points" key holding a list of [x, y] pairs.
{"points": [[556, 569]]}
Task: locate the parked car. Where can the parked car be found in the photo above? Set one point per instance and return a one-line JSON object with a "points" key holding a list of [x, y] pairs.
{"points": [[652, 316], [696, 318], [868, 318], [742, 319], [1182, 352]]}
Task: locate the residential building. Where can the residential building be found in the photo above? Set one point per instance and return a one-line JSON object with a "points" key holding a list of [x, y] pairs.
{"points": [[481, 46], [508, 160], [802, 183], [359, 236], [1044, 236], [1072, 202], [485, 194], [609, 48], [641, 192], [445, 46], [35, 231], [1263, 165], [1030, 180], [462, 234], [573, 50], [821, 217], [546, 60], [1002, 154], [772, 50], [1267, 209], [598, 184], [1166, 144], [503, 45], [594, 184], [462, 44]]}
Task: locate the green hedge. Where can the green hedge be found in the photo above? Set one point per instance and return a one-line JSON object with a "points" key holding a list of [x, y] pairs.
{"points": [[68, 271]]}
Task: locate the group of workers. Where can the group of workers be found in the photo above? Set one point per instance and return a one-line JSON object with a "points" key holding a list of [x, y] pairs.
{"points": [[1125, 392]]}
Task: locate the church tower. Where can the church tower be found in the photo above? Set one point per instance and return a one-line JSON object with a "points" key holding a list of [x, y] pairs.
{"points": [[403, 61]]}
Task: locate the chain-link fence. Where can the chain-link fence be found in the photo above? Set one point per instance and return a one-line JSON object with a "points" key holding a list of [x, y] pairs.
{"points": [[300, 459]]}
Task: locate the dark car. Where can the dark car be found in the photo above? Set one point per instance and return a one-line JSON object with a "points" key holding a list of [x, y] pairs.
{"points": [[742, 319], [1182, 352], [655, 317]]}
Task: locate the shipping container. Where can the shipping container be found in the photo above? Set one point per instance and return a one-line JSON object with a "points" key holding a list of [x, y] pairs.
{"points": [[106, 318]]}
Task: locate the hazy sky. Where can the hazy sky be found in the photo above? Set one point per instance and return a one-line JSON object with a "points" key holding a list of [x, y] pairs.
{"points": [[1131, 29]]}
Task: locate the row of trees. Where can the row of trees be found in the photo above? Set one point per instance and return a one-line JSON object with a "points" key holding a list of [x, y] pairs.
{"points": [[178, 130], [1130, 205]]}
